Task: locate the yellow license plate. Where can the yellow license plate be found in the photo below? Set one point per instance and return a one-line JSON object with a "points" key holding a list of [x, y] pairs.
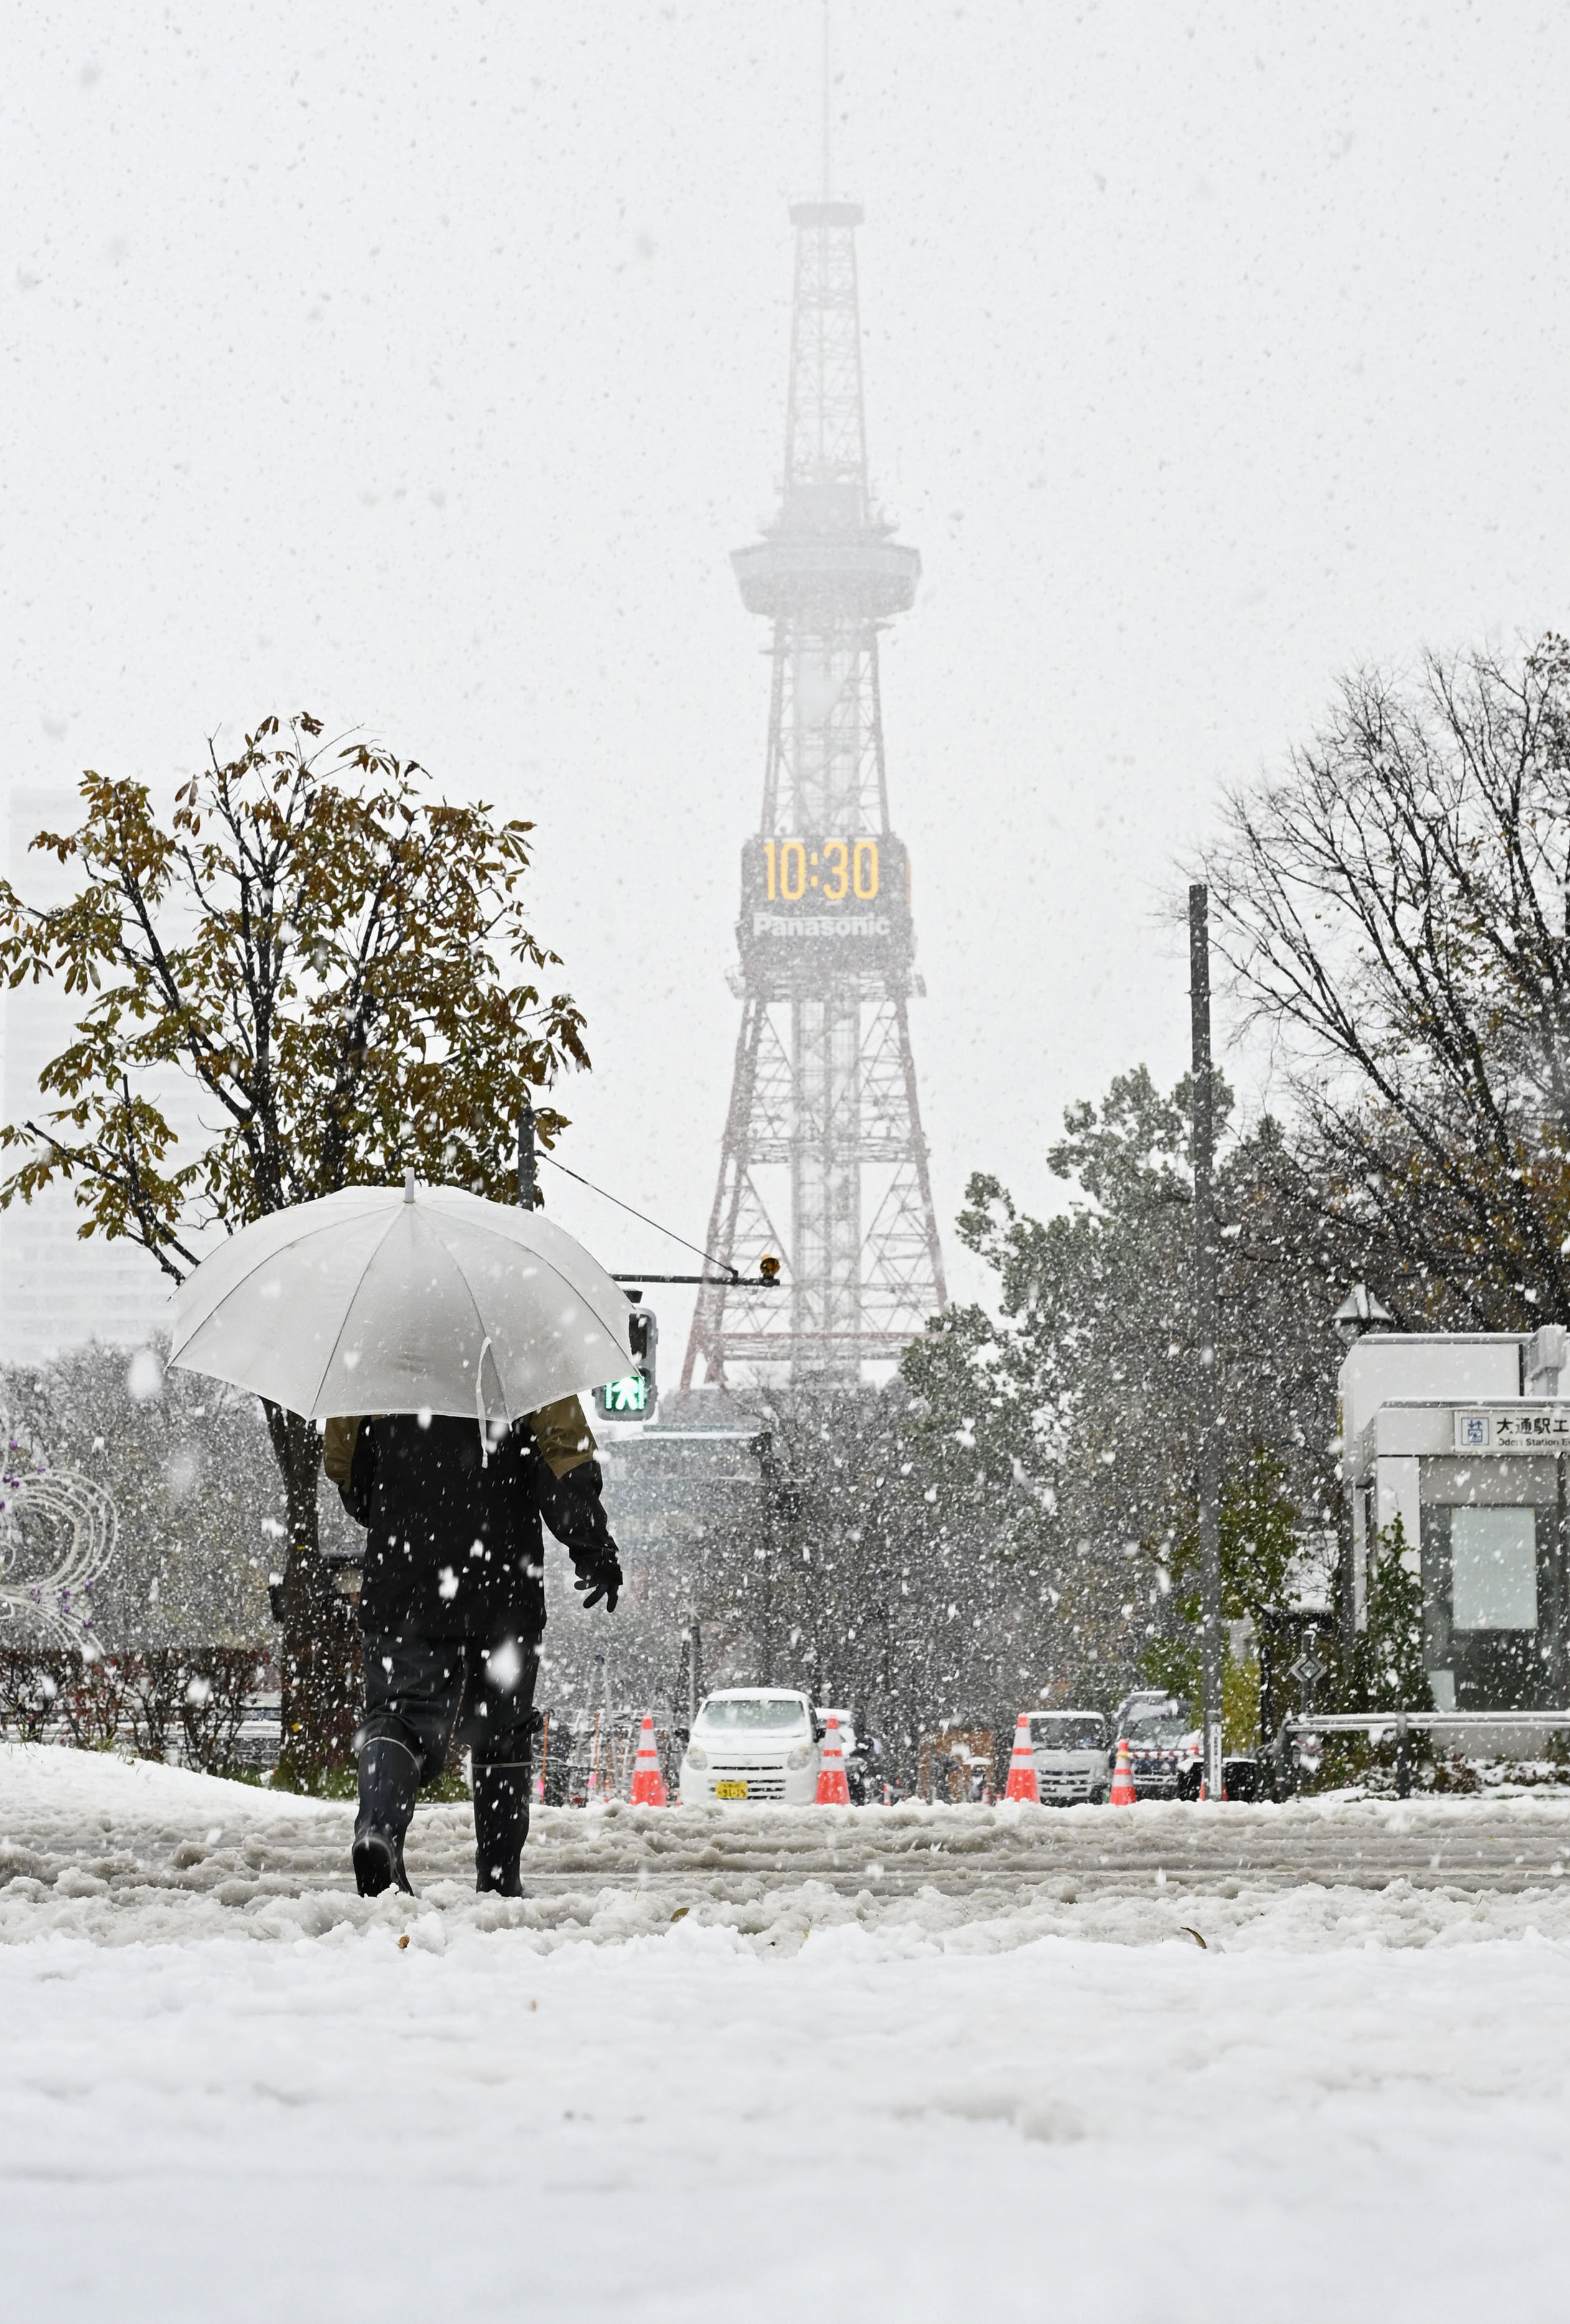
{"points": [[730, 1791]]}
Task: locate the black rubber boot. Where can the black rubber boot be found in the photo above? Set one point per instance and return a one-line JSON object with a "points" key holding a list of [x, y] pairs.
{"points": [[389, 1781], [501, 1827]]}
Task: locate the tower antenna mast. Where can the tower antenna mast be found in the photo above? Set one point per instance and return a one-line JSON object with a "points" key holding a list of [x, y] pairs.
{"points": [[828, 123]]}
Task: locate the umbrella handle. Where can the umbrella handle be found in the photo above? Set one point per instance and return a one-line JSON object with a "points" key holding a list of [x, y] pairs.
{"points": [[480, 1404]]}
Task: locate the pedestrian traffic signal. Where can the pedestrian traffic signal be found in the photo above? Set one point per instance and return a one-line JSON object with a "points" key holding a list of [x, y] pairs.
{"points": [[623, 1399], [633, 1396]]}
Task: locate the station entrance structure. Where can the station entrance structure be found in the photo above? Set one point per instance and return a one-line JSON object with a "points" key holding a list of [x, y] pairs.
{"points": [[1456, 1446], [823, 1161]]}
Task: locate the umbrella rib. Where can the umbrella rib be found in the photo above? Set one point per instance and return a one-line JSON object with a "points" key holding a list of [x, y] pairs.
{"points": [[457, 1267], [268, 1258], [564, 1281], [349, 1305]]}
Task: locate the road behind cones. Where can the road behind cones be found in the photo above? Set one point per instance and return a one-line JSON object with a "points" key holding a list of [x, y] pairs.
{"points": [[648, 1785], [1122, 1793], [1021, 1766], [833, 1791]]}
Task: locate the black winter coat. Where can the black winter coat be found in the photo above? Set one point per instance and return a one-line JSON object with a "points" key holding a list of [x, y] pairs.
{"points": [[452, 1546]]}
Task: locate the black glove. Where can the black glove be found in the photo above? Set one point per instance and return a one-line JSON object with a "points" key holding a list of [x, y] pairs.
{"points": [[572, 1507], [601, 1578]]}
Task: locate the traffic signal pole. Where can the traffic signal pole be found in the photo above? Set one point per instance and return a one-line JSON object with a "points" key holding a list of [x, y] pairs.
{"points": [[1208, 1414], [632, 1397]]}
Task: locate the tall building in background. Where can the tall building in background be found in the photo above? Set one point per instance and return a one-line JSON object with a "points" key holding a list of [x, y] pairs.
{"points": [[823, 1161], [56, 1291]]}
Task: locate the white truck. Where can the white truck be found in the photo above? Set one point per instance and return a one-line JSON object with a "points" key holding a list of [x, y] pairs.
{"points": [[1070, 1750], [751, 1744], [1164, 1747]]}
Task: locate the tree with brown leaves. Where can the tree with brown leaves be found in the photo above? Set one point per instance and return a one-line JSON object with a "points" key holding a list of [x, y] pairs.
{"points": [[341, 966]]}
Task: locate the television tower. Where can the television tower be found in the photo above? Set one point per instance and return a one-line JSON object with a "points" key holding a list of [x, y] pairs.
{"points": [[823, 1161]]}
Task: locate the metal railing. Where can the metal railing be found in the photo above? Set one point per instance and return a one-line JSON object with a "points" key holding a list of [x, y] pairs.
{"points": [[1379, 1726], [254, 1747], [1358, 1722]]}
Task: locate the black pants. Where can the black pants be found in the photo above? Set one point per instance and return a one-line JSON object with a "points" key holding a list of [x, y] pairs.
{"points": [[419, 1692]]}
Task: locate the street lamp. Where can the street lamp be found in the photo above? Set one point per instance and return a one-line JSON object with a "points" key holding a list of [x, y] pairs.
{"points": [[1361, 1312]]}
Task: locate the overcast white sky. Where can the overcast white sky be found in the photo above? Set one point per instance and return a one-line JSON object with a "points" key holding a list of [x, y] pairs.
{"points": [[421, 367]]}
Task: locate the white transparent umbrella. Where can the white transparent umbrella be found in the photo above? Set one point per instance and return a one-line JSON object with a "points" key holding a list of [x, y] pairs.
{"points": [[382, 1299]]}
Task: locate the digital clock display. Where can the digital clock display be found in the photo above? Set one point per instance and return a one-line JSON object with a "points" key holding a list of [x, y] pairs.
{"points": [[842, 889], [835, 869]]}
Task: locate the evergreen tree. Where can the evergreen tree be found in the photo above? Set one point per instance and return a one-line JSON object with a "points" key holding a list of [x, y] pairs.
{"points": [[1387, 1671], [1072, 1413]]}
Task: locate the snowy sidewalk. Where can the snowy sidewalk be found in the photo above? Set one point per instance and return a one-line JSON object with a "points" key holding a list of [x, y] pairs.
{"points": [[1352, 2103]]}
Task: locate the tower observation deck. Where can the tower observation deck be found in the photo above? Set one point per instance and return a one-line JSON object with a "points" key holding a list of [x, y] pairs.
{"points": [[822, 1159]]}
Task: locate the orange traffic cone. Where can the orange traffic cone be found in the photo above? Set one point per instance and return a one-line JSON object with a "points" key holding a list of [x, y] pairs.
{"points": [[648, 1785], [1022, 1783], [833, 1791], [1122, 1793]]}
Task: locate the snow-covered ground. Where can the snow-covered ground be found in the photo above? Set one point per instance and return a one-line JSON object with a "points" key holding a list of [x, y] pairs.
{"points": [[794, 2066]]}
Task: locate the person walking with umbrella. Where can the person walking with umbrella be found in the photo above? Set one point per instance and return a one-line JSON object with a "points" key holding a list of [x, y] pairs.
{"points": [[452, 1609], [437, 1338]]}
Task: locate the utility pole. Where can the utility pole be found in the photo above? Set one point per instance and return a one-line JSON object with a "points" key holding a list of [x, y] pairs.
{"points": [[780, 1508], [1206, 1335], [528, 1161]]}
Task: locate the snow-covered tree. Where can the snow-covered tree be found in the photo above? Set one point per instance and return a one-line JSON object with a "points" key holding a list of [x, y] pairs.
{"points": [[1392, 905]]}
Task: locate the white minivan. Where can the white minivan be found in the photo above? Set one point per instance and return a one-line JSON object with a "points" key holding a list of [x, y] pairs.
{"points": [[751, 1743]]}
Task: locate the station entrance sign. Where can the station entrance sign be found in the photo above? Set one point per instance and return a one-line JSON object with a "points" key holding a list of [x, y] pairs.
{"points": [[1523, 1427]]}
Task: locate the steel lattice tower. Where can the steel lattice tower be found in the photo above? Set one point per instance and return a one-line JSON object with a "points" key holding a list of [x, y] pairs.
{"points": [[824, 1160]]}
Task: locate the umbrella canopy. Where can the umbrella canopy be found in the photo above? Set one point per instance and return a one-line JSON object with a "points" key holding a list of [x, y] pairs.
{"points": [[382, 1299]]}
